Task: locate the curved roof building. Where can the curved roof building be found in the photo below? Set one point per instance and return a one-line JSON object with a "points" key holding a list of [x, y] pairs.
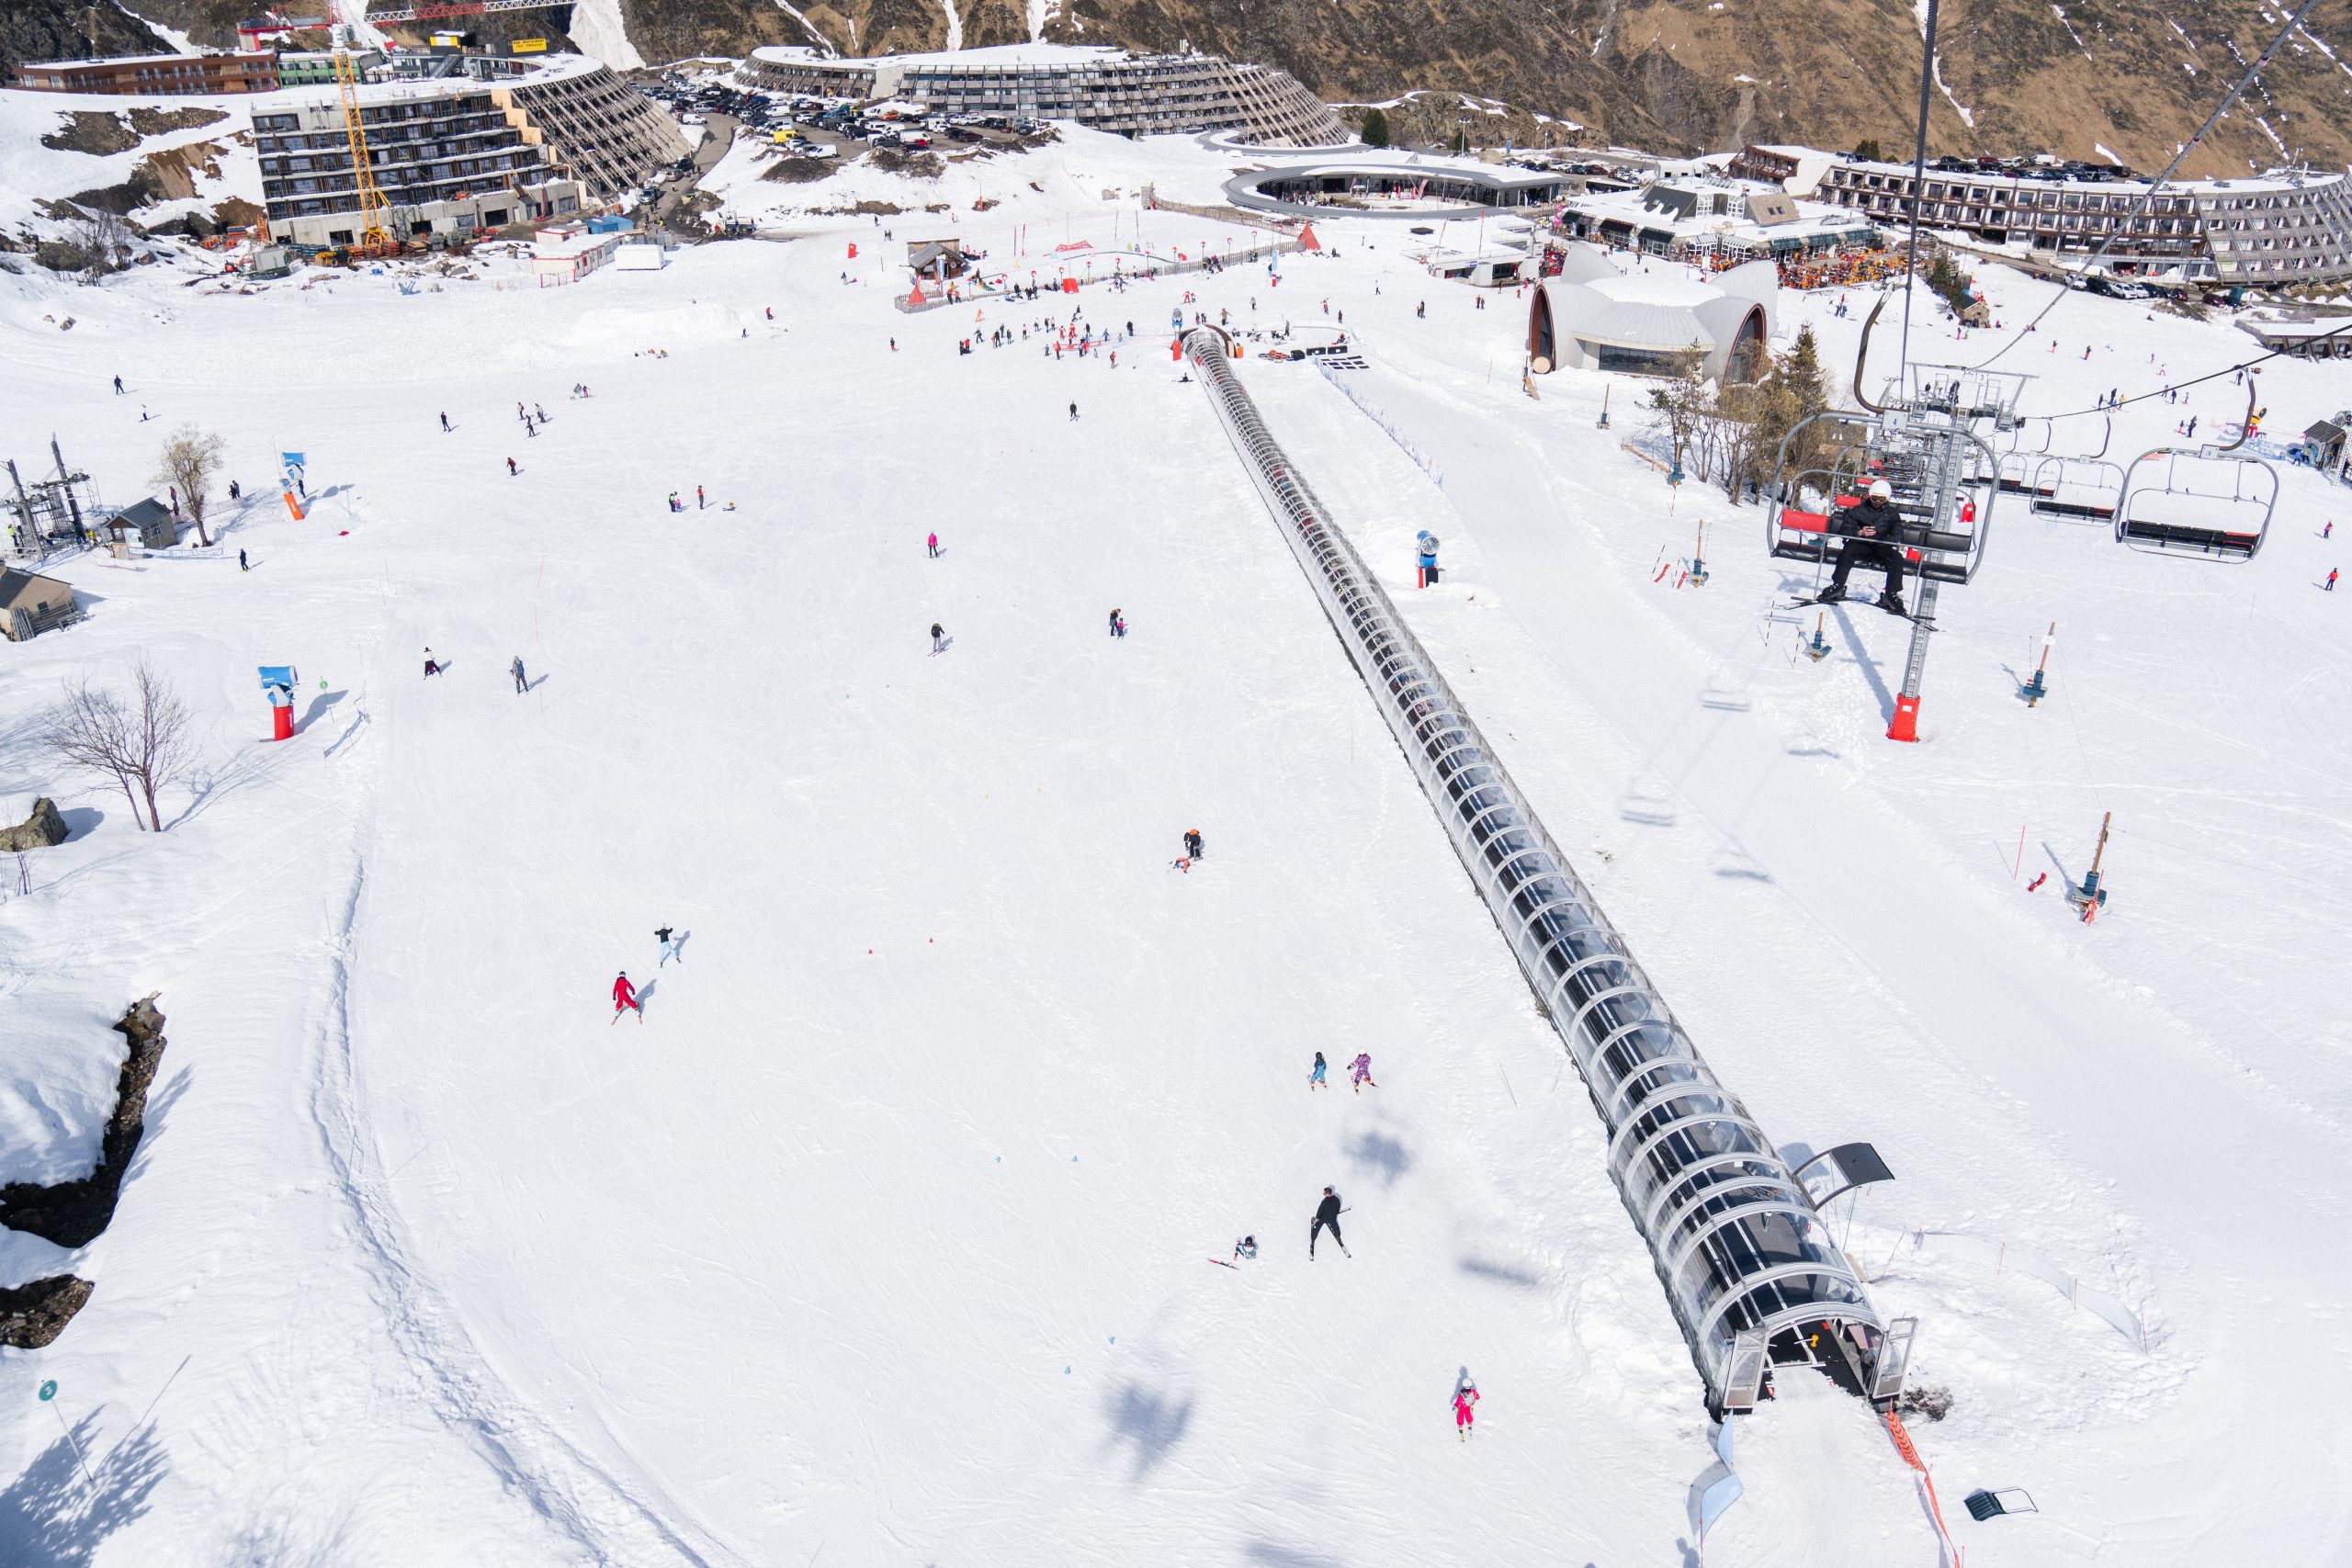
{"points": [[1593, 317], [1104, 89]]}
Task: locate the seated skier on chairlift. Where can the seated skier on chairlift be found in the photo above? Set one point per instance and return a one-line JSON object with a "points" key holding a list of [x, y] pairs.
{"points": [[1876, 537]]}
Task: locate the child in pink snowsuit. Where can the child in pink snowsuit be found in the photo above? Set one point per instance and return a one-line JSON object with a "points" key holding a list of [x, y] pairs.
{"points": [[1359, 1072], [1463, 1398]]}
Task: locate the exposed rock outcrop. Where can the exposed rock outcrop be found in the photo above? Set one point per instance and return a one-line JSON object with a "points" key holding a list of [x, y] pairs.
{"points": [[74, 1213], [39, 831], [31, 1315]]}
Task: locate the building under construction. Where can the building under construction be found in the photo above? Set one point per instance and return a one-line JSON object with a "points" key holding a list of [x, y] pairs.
{"points": [[456, 155]]}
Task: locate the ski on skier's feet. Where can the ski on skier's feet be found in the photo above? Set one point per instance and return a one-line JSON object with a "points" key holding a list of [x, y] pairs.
{"points": [[1223, 1264]]}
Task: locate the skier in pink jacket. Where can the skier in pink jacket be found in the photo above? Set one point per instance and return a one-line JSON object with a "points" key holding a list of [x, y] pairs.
{"points": [[1465, 1398], [1359, 1072]]}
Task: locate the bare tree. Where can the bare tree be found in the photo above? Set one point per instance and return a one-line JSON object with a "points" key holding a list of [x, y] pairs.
{"points": [[143, 747], [190, 462], [161, 747], [90, 730], [1681, 401]]}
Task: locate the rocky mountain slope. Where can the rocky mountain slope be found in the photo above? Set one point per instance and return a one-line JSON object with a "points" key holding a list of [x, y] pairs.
{"points": [[54, 29], [2131, 76]]}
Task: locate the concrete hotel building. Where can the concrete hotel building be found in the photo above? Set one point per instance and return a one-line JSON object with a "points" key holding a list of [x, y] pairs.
{"points": [[458, 154], [1104, 89], [2289, 226]]}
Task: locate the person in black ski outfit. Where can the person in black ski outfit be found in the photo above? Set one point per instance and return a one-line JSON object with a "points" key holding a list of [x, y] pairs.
{"points": [[1875, 535], [1326, 1216], [1191, 843]]}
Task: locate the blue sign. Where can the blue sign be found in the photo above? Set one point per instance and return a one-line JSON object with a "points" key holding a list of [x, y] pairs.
{"points": [[294, 463]]}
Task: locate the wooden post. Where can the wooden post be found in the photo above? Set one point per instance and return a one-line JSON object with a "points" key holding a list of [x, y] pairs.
{"points": [[2090, 883]]}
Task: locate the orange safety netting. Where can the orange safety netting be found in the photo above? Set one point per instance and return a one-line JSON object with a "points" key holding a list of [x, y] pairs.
{"points": [[1927, 1482]]}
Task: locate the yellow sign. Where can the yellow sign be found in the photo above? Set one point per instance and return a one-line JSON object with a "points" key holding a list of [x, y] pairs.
{"points": [[530, 46]]}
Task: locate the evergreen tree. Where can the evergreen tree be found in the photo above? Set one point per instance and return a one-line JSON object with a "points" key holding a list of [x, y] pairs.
{"points": [[1375, 128]]}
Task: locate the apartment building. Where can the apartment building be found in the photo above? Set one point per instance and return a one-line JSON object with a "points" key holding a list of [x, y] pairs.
{"points": [[446, 156], [155, 75], [1104, 89], [2286, 227]]}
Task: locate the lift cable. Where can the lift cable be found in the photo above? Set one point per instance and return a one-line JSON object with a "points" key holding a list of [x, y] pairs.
{"points": [[2149, 195], [2177, 386]]}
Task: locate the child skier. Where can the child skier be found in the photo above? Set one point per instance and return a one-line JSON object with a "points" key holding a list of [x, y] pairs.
{"points": [[625, 997], [1316, 1078], [1359, 1072], [1465, 1399], [1118, 623]]}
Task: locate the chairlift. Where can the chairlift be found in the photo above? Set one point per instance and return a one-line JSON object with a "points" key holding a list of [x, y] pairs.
{"points": [[2206, 502], [2084, 489], [2213, 502], [1795, 530]]}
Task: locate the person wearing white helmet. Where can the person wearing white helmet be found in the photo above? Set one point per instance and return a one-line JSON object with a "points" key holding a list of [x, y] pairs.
{"points": [[1873, 531]]}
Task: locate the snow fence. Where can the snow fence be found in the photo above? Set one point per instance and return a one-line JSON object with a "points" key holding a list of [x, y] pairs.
{"points": [[1739, 1247]]}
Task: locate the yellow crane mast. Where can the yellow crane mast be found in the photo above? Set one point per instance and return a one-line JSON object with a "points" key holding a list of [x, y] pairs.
{"points": [[374, 239]]}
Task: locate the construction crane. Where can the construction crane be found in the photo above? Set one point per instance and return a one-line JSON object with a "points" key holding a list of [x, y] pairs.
{"points": [[374, 239]]}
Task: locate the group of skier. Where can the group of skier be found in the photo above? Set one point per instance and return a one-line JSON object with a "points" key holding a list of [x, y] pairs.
{"points": [[626, 998]]}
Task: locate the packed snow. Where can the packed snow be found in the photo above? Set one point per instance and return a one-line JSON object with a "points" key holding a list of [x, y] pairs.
{"points": [[895, 1227]]}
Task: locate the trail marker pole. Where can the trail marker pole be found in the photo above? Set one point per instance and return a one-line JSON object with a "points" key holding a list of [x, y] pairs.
{"points": [[49, 1397]]}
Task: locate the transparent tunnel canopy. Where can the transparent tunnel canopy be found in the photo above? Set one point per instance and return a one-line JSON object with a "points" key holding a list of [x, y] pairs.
{"points": [[1737, 1243]]}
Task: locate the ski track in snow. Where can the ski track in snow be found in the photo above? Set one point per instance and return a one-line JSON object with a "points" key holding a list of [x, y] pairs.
{"points": [[585, 1501]]}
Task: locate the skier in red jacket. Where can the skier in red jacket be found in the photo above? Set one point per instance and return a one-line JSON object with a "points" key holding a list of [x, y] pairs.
{"points": [[1465, 1399], [625, 997]]}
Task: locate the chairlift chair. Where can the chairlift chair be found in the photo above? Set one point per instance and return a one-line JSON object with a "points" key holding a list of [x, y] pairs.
{"points": [[2017, 470], [2210, 503], [2084, 489], [1795, 531]]}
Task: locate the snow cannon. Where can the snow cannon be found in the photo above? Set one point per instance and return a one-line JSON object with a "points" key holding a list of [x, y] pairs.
{"points": [[277, 685], [1425, 552]]}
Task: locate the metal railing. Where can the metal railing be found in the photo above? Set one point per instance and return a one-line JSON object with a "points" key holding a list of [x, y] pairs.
{"points": [[1738, 1244]]}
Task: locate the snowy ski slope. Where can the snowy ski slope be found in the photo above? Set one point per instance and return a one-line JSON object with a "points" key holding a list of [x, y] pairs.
{"points": [[885, 1236]]}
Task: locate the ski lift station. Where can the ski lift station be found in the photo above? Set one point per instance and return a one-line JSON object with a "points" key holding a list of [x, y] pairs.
{"points": [[1592, 317], [1376, 183]]}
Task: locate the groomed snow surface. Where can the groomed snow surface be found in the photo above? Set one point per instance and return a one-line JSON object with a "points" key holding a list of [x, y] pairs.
{"points": [[885, 1237]]}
